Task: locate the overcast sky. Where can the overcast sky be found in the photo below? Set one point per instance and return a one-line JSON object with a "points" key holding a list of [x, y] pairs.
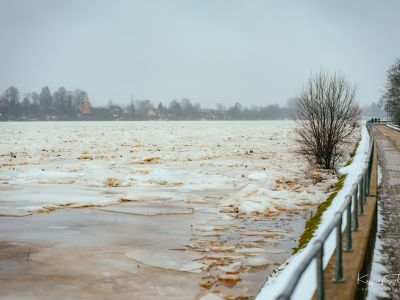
{"points": [[253, 52]]}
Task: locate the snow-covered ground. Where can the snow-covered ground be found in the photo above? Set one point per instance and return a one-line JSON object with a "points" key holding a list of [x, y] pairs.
{"points": [[307, 284], [376, 286]]}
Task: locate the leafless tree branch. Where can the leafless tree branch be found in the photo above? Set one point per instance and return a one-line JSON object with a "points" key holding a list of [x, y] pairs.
{"points": [[327, 114]]}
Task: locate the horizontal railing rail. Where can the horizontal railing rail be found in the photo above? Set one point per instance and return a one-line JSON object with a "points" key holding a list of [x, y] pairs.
{"points": [[351, 209], [393, 126]]}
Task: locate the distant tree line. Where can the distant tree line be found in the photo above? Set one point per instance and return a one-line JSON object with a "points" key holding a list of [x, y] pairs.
{"points": [[64, 104], [59, 105]]}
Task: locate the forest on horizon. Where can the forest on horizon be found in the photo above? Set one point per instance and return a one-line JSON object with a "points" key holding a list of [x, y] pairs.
{"points": [[66, 105]]}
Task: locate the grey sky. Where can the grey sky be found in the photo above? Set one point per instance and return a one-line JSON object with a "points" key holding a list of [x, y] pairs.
{"points": [[253, 52]]}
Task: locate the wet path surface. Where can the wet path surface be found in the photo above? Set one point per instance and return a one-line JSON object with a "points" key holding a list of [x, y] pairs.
{"points": [[389, 201]]}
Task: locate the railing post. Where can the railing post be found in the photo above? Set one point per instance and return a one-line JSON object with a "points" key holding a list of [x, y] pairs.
{"points": [[370, 173], [370, 161], [361, 195], [366, 192], [355, 209], [338, 260], [320, 271], [349, 245]]}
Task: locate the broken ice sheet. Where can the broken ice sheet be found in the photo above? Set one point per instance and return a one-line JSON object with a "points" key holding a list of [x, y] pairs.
{"points": [[149, 209], [13, 212], [184, 261], [231, 268], [257, 261], [117, 182]]}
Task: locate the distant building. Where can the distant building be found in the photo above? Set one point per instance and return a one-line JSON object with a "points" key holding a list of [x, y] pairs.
{"points": [[116, 111], [85, 109]]}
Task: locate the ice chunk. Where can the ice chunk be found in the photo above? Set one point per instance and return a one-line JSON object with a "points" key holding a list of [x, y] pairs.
{"points": [[228, 278], [193, 266], [40, 208], [168, 259], [13, 212], [257, 176], [232, 268], [256, 261], [254, 199], [211, 296], [250, 250], [150, 160], [148, 209], [141, 171], [165, 182], [116, 182]]}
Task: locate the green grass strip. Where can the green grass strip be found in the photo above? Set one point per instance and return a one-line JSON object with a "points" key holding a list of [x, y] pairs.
{"points": [[348, 163], [315, 220], [352, 153]]}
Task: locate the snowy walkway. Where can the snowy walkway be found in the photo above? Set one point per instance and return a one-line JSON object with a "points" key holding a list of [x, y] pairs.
{"points": [[389, 201]]}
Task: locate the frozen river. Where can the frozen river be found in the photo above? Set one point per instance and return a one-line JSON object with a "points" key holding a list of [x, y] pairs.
{"points": [[149, 210]]}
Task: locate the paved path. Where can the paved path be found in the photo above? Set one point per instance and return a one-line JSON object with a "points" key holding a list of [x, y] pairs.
{"points": [[389, 202]]}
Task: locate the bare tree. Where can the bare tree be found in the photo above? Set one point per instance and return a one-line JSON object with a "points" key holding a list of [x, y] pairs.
{"points": [[327, 113], [391, 97]]}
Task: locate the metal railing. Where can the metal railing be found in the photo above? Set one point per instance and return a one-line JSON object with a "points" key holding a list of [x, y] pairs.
{"points": [[351, 209], [393, 126]]}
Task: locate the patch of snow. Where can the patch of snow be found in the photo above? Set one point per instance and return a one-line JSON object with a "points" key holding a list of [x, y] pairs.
{"points": [[376, 288], [379, 175]]}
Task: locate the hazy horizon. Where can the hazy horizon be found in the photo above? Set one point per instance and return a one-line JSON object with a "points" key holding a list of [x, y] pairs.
{"points": [[254, 53]]}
